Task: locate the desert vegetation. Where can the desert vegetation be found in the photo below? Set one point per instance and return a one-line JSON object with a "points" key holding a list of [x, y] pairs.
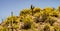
{"points": [[33, 19]]}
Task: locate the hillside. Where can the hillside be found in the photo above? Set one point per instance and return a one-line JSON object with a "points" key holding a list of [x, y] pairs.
{"points": [[33, 19]]}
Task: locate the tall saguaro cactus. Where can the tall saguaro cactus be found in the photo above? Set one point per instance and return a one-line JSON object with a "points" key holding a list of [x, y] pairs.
{"points": [[12, 21], [11, 13], [2, 20], [32, 7]]}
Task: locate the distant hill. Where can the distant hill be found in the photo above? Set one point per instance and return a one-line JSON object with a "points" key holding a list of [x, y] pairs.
{"points": [[33, 19]]}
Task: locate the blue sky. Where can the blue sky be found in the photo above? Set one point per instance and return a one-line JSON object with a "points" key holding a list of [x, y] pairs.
{"points": [[6, 6]]}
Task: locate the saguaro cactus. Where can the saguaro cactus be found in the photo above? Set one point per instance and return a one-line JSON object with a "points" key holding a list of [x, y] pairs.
{"points": [[32, 7], [12, 21]]}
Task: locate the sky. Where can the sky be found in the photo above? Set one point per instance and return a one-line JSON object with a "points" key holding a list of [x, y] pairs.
{"points": [[7, 6]]}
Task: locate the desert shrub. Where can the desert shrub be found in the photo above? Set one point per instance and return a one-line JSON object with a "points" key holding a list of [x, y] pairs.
{"points": [[40, 18], [55, 13], [24, 12], [15, 26], [21, 18], [37, 14], [46, 28], [44, 17], [36, 19], [27, 22], [36, 10], [56, 28], [10, 19], [51, 20], [26, 26], [3, 29]]}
